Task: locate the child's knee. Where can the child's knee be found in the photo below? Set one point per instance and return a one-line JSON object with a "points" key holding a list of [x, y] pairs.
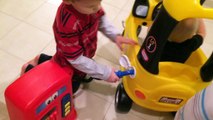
{"points": [[34, 62], [29, 65], [24, 68]]}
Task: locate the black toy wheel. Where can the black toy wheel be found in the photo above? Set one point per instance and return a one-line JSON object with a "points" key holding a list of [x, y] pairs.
{"points": [[123, 103]]}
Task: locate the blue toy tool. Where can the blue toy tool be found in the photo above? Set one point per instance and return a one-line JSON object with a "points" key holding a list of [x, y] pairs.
{"points": [[130, 70]]}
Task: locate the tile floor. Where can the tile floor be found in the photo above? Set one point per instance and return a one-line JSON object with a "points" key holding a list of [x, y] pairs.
{"points": [[25, 31]]}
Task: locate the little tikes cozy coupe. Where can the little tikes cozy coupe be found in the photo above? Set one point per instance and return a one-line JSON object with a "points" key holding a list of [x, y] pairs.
{"points": [[162, 86]]}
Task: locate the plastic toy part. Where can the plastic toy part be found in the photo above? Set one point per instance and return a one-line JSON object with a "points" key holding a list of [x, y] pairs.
{"points": [[124, 61], [129, 69], [122, 101], [161, 86], [43, 93], [140, 95], [130, 72], [190, 8]]}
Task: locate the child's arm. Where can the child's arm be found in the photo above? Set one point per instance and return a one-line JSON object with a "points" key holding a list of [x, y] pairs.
{"points": [[108, 29], [94, 69], [112, 33]]}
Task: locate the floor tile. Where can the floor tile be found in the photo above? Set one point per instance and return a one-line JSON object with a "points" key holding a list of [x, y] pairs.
{"points": [[110, 11], [167, 116], [90, 107], [55, 2], [9, 71], [116, 3], [128, 6], [50, 49], [207, 49], [110, 62], [208, 3], [3, 112], [102, 88], [209, 27], [108, 50], [25, 41], [113, 115], [119, 21], [22, 8], [144, 113], [43, 17], [7, 23], [100, 35]]}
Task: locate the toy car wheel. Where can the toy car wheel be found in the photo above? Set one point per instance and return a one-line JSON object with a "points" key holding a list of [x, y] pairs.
{"points": [[123, 103]]}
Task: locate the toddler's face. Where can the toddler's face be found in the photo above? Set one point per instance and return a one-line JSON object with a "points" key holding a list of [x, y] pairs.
{"points": [[87, 6]]}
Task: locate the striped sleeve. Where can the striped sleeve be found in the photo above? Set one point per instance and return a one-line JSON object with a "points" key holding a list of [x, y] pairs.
{"points": [[107, 28], [92, 68]]}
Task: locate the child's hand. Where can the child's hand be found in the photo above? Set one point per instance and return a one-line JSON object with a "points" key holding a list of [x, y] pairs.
{"points": [[113, 77], [122, 40]]}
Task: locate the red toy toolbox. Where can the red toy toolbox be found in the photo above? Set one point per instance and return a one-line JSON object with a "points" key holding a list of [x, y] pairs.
{"points": [[43, 93]]}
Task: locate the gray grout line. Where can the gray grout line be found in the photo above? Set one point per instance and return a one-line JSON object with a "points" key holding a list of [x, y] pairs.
{"points": [[8, 53], [107, 111], [33, 11], [11, 29]]}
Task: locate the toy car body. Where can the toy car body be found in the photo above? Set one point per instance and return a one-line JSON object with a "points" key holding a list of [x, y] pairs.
{"points": [[160, 86]]}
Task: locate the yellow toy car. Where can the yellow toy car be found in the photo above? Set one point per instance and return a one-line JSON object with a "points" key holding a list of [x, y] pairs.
{"points": [[160, 86]]}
